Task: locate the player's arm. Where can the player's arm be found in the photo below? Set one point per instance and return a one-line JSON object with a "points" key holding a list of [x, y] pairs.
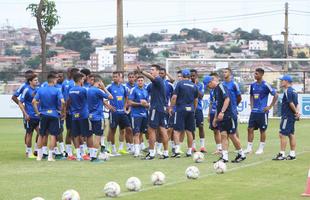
{"points": [[170, 78], [195, 103], [146, 74], [103, 88], [35, 106], [224, 108], [172, 103], [239, 99], [109, 106], [22, 108], [63, 108], [15, 99]]}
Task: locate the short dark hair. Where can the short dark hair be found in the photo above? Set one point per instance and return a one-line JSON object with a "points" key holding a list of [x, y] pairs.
{"points": [[77, 77], [214, 74], [163, 69], [73, 71], [140, 76], [85, 71], [116, 72], [30, 78], [156, 66], [260, 70], [130, 73], [52, 72], [179, 72], [28, 74], [97, 78], [51, 77], [228, 69], [193, 71]]}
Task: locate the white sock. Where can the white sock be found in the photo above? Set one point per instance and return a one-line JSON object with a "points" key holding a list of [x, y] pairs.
{"points": [[292, 153], [177, 148], [152, 152], [78, 153], [128, 145], [142, 146], [189, 151], [82, 148], [194, 144], [69, 149], [250, 145], [85, 147], [240, 151], [40, 153], [225, 154], [159, 146], [26, 149], [282, 153], [261, 145], [62, 147], [35, 146], [44, 150], [113, 148], [121, 146], [166, 153], [50, 153], [102, 141], [137, 149], [202, 142], [219, 147], [56, 150], [95, 152], [29, 150]]}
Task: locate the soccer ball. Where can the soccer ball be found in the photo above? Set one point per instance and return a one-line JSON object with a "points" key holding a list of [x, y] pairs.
{"points": [[133, 184], [158, 178], [70, 195], [38, 198], [192, 172], [198, 157], [112, 189], [220, 167], [104, 156]]}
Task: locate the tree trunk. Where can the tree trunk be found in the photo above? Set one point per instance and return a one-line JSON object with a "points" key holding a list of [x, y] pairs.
{"points": [[43, 35]]}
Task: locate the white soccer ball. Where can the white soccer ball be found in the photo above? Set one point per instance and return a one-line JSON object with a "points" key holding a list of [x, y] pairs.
{"points": [[158, 178], [198, 157], [220, 167], [112, 189], [133, 184], [70, 195], [192, 172], [104, 156], [38, 198]]}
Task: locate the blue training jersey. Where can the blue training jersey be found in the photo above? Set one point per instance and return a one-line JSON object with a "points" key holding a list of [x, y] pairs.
{"points": [[234, 90], [137, 94], [221, 93], [212, 102], [290, 96], [66, 86], [95, 97], [78, 102], [186, 92], [119, 94], [259, 92], [201, 90], [21, 89], [26, 98], [158, 95], [49, 98]]}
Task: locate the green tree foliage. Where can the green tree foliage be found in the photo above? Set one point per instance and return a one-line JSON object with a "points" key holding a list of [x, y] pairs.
{"points": [[25, 53], [108, 41], [78, 41], [34, 62], [145, 54], [155, 37]]}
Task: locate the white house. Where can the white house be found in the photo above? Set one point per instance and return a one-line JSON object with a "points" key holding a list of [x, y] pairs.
{"points": [[258, 45], [105, 58]]}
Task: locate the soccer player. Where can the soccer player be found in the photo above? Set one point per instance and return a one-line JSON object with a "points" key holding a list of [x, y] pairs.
{"points": [[259, 92], [88, 80], [198, 112], [157, 118], [211, 115], [31, 119], [95, 98], [66, 86], [118, 117], [289, 114], [51, 101], [185, 98], [21, 88], [138, 99], [224, 118], [235, 93]]}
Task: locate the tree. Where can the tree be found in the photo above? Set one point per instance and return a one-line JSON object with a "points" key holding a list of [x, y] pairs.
{"points": [[218, 38], [235, 49], [78, 41], [155, 37], [145, 54], [51, 53], [34, 62], [9, 52], [25, 53], [46, 16], [302, 55], [108, 41]]}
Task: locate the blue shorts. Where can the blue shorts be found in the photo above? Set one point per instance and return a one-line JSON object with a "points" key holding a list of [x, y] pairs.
{"points": [[97, 127], [184, 120], [31, 125], [287, 126], [139, 125], [227, 125], [171, 120], [80, 127], [129, 118], [49, 125], [157, 119], [199, 118], [258, 121], [211, 127], [119, 119], [68, 121]]}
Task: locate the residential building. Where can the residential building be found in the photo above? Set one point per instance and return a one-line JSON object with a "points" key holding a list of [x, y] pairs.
{"points": [[258, 45], [299, 49]]}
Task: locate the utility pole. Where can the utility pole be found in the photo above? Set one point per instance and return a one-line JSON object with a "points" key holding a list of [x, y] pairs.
{"points": [[285, 34], [120, 37]]}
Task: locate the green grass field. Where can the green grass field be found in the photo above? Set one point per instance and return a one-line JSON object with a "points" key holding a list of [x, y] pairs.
{"points": [[256, 178]]}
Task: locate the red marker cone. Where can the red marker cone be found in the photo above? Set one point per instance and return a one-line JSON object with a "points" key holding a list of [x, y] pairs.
{"points": [[307, 192]]}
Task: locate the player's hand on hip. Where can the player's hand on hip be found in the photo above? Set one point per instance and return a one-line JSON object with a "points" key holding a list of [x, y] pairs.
{"points": [[220, 116], [266, 109]]}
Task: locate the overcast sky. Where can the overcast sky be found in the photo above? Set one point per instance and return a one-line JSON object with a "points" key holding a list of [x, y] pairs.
{"points": [[145, 16]]}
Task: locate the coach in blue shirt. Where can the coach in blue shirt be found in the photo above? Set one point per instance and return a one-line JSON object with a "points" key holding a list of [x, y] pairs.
{"points": [[157, 118], [259, 92], [224, 118], [290, 113], [185, 98], [49, 98]]}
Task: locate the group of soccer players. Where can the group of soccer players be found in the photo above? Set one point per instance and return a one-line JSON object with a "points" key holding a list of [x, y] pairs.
{"points": [[164, 111]]}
